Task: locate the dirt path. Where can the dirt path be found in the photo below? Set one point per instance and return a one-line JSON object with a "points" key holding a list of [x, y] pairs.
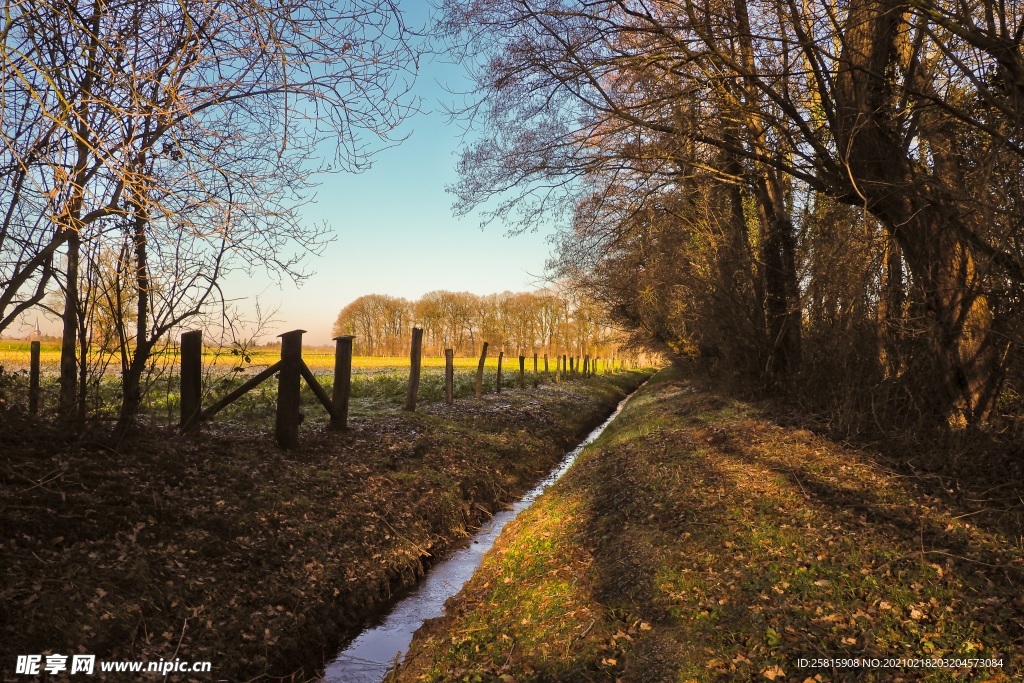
{"points": [[698, 540]]}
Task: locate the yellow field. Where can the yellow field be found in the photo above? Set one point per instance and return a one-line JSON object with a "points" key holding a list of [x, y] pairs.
{"points": [[14, 355]]}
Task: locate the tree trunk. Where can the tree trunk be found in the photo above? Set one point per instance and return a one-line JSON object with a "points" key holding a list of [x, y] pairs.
{"points": [[894, 301], [778, 243], [68, 400], [781, 292], [742, 300], [961, 374], [131, 379]]}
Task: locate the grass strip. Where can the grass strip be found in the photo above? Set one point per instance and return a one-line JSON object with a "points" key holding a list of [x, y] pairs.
{"points": [[699, 540], [225, 549]]}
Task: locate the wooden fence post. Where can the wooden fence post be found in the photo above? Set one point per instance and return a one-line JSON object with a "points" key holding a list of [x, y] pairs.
{"points": [[415, 356], [586, 365], [565, 367], [501, 357], [480, 371], [522, 371], [342, 389], [449, 376], [191, 379], [547, 374], [535, 371], [33, 378], [289, 384]]}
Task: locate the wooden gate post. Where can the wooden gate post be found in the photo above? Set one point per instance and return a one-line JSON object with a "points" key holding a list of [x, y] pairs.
{"points": [[449, 376], [480, 371], [33, 378], [289, 379], [535, 371], [565, 367], [191, 379], [547, 374], [415, 357], [415, 363], [342, 389], [522, 372], [501, 357]]}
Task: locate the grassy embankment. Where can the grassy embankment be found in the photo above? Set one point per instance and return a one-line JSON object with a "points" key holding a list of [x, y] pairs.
{"points": [[699, 540], [226, 549]]}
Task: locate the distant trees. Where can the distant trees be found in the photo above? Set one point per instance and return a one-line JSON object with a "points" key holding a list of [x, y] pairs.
{"points": [[518, 323], [801, 190], [180, 137]]}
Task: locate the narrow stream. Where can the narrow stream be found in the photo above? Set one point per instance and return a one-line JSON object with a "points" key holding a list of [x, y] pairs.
{"points": [[369, 657]]}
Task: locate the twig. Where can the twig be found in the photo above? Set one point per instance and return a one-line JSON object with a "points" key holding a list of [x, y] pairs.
{"points": [[509, 658], [180, 638], [424, 552], [800, 484]]}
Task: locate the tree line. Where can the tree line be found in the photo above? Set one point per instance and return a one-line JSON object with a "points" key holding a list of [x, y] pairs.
{"points": [[149, 149], [518, 323], [820, 196]]}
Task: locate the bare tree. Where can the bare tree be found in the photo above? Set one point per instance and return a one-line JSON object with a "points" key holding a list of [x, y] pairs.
{"points": [[182, 128]]}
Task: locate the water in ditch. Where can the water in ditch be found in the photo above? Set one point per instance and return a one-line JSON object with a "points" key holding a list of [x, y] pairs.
{"points": [[374, 651]]}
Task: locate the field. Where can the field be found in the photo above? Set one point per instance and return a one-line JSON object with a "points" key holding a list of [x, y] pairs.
{"points": [[14, 356], [376, 381]]}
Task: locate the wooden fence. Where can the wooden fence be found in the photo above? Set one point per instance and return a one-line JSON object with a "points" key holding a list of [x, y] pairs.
{"points": [[291, 370]]}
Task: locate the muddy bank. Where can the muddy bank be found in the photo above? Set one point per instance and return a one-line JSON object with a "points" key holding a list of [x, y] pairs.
{"points": [[261, 562]]}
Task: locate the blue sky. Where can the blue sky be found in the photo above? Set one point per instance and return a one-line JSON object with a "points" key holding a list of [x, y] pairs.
{"points": [[394, 229], [393, 226]]}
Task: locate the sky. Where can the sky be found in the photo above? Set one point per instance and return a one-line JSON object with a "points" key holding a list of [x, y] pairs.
{"points": [[394, 229]]}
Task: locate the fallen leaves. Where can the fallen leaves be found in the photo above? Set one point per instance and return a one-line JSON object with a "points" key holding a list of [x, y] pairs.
{"points": [[279, 552], [779, 545]]}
